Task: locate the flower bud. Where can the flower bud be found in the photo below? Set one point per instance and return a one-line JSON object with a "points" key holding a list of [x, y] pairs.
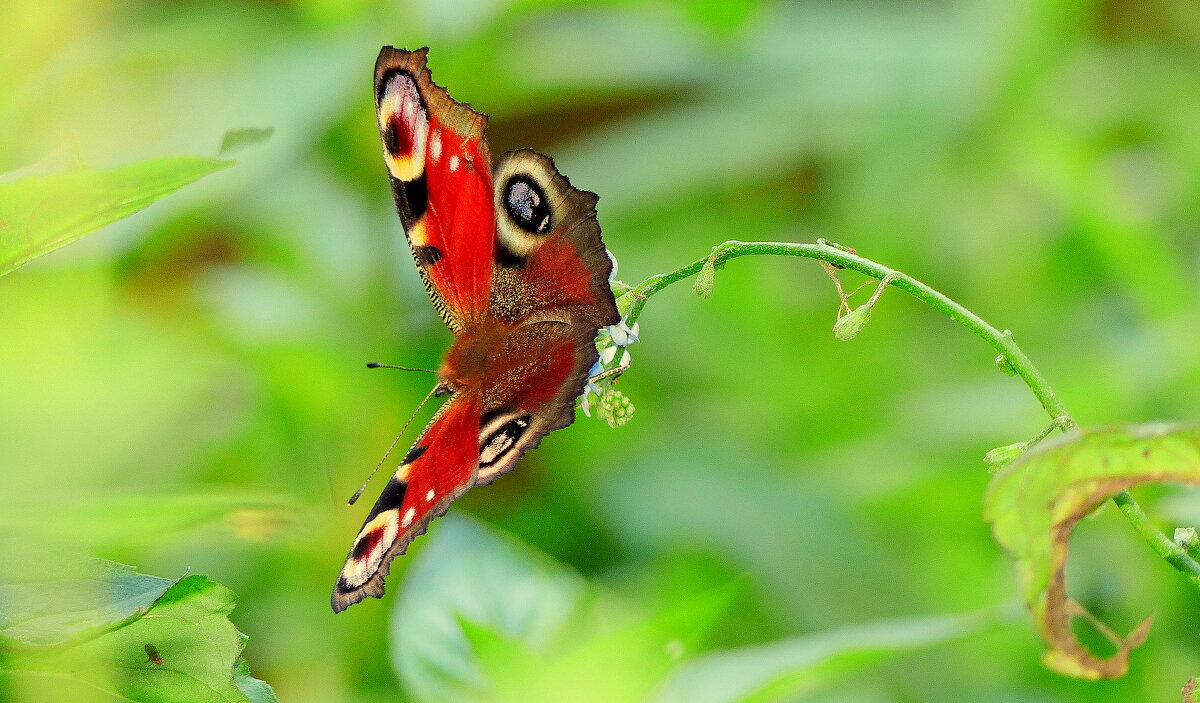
{"points": [[1187, 538], [1002, 455], [849, 325], [705, 280], [615, 408], [1005, 365]]}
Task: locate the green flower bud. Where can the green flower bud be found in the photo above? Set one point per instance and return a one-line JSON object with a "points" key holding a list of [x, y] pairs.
{"points": [[615, 408], [1002, 455], [705, 280], [849, 325], [1187, 538], [1005, 365]]}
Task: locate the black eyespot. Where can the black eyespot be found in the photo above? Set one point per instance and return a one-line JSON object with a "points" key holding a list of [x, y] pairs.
{"points": [[526, 205]]}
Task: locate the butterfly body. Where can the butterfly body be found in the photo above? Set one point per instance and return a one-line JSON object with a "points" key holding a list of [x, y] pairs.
{"points": [[511, 256]]}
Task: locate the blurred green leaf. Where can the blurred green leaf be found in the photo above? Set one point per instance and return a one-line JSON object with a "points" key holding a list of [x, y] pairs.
{"points": [[470, 572], [187, 627], [626, 666], [1035, 502], [135, 519], [788, 668], [237, 139], [39, 214], [482, 618]]}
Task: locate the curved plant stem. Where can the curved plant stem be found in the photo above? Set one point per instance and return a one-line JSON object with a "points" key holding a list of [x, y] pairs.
{"points": [[634, 301]]}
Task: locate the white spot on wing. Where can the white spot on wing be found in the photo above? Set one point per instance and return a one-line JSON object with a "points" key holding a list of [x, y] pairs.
{"points": [[454, 163], [408, 517], [435, 147], [429, 495]]}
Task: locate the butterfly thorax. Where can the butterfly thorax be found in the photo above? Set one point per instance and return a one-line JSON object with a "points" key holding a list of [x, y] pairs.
{"points": [[475, 352], [495, 357]]}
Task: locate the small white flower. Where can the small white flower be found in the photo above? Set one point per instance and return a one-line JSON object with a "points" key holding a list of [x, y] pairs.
{"points": [[625, 358], [608, 355], [596, 370], [586, 404], [619, 334], [612, 276]]}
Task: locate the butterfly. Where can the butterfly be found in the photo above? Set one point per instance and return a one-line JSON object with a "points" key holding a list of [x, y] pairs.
{"points": [[511, 256]]}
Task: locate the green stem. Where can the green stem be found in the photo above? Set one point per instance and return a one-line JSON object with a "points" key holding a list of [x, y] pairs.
{"points": [[1002, 341]]}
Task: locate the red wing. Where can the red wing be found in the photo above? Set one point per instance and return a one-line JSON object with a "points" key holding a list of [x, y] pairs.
{"points": [[439, 468], [549, 255], [441, 175]]}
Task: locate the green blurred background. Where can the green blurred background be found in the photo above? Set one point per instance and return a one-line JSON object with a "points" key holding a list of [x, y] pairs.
{"points": [[185, 389]]}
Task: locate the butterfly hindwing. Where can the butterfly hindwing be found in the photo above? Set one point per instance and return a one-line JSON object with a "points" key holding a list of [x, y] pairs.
{"points": [[536, 396], [551, 278], [440, 171], [438, 469]]}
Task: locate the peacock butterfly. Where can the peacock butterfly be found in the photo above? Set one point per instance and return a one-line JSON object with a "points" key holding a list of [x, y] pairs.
{"points": [[512, 258]]}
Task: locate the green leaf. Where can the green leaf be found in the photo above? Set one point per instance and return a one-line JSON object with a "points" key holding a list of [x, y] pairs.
{"points": [[1035, 502], [468, 572], [236, 140], [624, 667], [255, 690], [786, 669], [185, 626], [484, 618], [40, 609], [39, 214]]}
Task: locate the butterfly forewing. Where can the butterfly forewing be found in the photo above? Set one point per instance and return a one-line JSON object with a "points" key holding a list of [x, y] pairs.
{"points": [[436, 471], [440, 171]]}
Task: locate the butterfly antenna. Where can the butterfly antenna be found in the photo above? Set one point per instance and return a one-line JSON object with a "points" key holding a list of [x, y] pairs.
{"points": [[392, 446], [377, 365]]}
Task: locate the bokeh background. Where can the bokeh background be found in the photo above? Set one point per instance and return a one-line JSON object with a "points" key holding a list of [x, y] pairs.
{"points": [[185, 389]]}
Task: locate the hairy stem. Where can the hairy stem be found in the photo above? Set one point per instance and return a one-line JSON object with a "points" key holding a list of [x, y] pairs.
{"points": [[1002, 341]]}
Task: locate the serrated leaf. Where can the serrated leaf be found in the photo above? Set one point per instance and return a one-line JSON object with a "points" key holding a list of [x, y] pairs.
{"points": [[40, 213], [255, 690], [786, 669], [181, 647], [1035, 502], [79, 599]]}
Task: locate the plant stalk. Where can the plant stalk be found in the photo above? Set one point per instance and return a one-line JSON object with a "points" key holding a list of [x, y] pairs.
{"points": [[1002, 341]]}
